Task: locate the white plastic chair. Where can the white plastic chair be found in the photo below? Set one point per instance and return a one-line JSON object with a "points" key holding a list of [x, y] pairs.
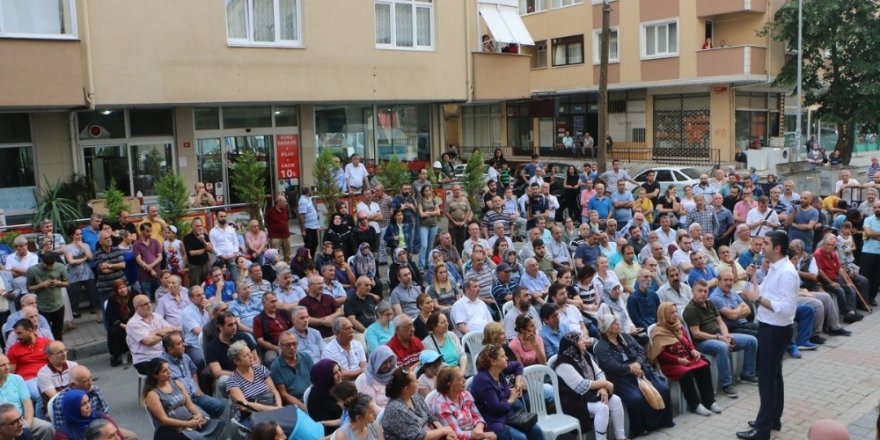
{"points": [[551, 361], [306, 395], [553, 425], [472, 342], [429, 399], [506, 308], [50, 408], [468, 383]]}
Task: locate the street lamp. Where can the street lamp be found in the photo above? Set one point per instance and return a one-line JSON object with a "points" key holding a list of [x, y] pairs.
{"points": [[800, 62], [603, 86]]}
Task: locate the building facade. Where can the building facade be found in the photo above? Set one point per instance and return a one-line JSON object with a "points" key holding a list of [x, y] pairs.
{"points": [[131, 91], [687, 79]]}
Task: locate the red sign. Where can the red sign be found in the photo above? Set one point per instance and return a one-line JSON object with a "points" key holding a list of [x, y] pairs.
{"points": [[287, 156]]}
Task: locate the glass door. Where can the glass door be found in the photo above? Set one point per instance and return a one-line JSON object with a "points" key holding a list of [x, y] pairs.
{"points": [[105, 163], [261, 146], [150, 162], [210, 165]]}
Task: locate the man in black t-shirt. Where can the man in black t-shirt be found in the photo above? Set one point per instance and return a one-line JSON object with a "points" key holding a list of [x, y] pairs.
{"points": [[216, 352], [198, 249], [652, 188], [360, 307]]}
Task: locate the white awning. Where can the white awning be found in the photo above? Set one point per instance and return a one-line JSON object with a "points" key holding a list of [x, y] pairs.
{"points": [[505, 23]]}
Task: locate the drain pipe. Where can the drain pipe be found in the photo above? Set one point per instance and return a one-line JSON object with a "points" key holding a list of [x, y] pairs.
{"points": [[88, 90]]}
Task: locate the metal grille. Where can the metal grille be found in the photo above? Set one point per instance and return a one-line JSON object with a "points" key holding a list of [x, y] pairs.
{"points": [[682, 131]]}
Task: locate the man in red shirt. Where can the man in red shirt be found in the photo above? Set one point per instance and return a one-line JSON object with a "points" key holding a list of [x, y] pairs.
{"points": [[28, 355], [322, 308], [277, 226], [405, 345], [269, 325], [834, 278]]}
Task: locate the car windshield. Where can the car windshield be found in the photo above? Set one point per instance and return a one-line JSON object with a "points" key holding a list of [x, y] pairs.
{"points": [[692, 173]]}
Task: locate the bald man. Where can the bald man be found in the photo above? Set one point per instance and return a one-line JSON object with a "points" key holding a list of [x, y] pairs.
{"points": [[81, 379], [55, 375], [827, 429]]}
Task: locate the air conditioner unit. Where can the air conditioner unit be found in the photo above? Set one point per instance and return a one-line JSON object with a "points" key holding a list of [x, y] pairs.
{"points": [[775, 156]]}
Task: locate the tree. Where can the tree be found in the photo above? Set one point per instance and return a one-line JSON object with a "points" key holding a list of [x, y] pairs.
{"points": [[52, 205], [325, 183], [173, 199], [394, 174], [114, 200], [247, 182], [841, 55], [474, 179]]}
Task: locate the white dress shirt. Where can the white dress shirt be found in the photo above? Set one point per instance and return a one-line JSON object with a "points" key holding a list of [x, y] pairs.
{"points": [[225, 240], [780, 287]]}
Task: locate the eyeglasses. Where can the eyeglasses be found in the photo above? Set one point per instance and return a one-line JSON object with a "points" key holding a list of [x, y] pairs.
{"points": [[18, 421]]}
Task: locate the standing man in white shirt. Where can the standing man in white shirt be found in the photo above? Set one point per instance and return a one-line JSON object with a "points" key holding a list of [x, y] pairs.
{"points": [[224, 238], [775, 302], [356, 175], [307, 215]]}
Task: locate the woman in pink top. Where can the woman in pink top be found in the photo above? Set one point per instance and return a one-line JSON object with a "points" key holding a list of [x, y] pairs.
{"points": [[527, 346], [256, 241]]}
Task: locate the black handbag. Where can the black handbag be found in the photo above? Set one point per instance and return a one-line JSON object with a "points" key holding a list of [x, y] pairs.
{"points": [[522, 421]]}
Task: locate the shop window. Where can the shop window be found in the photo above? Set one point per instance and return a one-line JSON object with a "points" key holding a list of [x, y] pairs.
{"points": [[38, 18], [404, 131], [345, 130], [568, 50], [405, 24], [17, 176], [263, 23], [207, 118], [149, 163], [481, 125]]}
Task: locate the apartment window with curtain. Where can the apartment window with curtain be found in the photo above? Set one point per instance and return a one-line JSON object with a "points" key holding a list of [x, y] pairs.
{"points": [[17, 176], [613, 46], [481, 125], [564, 3], [660, 39], [273, 23], [568, 50], [405, 24], [38, 18], [530, 6]]}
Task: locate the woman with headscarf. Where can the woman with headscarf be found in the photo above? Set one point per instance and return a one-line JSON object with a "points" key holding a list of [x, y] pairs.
{"points": [[401, 259], [583, 390], [300, 262], [364, 265], [340, 234], [78, 415], [613, 304], [377, 375], [624, 361], [321, 405], [679, 360], [516, 268]]}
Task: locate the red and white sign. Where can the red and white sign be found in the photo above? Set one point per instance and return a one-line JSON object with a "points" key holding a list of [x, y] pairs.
{"points": [[287, 156]]}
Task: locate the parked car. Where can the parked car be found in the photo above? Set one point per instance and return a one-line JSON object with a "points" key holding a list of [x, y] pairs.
{"points": [[557, 171], [680, 176]]}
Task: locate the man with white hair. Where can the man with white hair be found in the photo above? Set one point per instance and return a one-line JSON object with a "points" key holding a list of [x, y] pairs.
{"points": [[12, 424], [535, 281], [665, 232], [845, 188], [345, 350], [469, 313], [743, 241], [405, 345], [145, 331]]}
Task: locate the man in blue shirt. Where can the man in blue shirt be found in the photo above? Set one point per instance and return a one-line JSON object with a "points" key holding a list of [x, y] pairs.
{"points": [[734, 311], [588, 252], [700, 271], [601, 204], [623, 203], [552, 331], [802, 221], [643, 303], [184, 369], [244, 307]]}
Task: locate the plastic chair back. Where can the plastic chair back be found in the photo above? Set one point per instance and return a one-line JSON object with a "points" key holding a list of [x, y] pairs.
{"points": [[306, 395], [473, 343]]}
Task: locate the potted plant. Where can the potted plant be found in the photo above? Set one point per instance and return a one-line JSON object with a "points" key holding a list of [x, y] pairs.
{"points": [[474, 179], [247, 182], [173, 199], [393, 174], [325, 184], [52, 205]]}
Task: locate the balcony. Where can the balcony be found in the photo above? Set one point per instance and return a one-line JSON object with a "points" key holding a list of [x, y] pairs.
{"points": [[714, 8], [41, 73], [500, 76], [732, 61]]}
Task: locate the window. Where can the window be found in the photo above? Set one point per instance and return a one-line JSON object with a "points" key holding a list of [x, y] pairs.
{"points": [[481, 125], [530, 6], [263, 23], [564, 3], [405, 24], [660, 40], [16, 164], [613, 46], [38, 18], [539, 55], [568, 50]]}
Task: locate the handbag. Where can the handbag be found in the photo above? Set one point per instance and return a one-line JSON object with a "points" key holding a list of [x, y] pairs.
{"points": [[652, 396], [522, 421]]}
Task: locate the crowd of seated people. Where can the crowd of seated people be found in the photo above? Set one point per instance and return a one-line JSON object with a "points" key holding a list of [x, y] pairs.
{"points": [[373, 331]]}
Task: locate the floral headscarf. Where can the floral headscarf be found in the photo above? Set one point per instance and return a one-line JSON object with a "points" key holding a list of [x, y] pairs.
{"points": [[365, 263], [570, 353]]}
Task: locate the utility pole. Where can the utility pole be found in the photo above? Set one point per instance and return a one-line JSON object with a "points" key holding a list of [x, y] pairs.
{"points": [[800, 95], [603, 87]]}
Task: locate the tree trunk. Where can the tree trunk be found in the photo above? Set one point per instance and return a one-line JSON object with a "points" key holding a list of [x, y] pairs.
{"points": [[845, 136]]}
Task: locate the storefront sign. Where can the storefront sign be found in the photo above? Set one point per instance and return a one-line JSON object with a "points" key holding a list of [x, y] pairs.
{"points": [[287, 156]]}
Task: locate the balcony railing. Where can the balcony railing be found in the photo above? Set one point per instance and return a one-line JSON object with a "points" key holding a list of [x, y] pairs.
{"points": [[500, 76], [713, 8], [731, 61]]}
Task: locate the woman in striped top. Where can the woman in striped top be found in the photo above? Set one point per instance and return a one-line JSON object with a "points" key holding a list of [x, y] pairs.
{"points": [[250, 385]]}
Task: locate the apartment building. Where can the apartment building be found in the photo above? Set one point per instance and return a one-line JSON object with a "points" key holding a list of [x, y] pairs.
{"points": [[688, 79], [134, 90]]}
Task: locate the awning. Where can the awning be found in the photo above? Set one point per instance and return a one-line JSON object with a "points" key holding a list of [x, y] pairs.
{"points": [[505, 23]]}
